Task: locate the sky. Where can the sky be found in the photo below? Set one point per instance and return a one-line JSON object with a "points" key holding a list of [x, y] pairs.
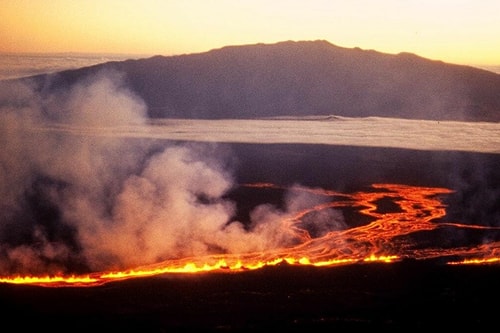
{"points": [[456, 31]]}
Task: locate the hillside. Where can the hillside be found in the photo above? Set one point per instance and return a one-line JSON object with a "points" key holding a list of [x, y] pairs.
{"points": [[302, 79]]}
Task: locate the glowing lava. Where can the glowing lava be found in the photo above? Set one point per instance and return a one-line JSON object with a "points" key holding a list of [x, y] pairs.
{"points": [[389, 236]]}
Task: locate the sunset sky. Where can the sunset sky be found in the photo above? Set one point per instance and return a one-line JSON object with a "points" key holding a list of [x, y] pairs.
{"points": [[457, 31]]}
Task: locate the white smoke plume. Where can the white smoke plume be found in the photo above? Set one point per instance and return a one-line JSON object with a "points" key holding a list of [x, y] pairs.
{"points": [[71, 201]]}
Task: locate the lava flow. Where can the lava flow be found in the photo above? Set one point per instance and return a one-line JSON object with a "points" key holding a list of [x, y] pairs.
{"points": [[391, 234]]}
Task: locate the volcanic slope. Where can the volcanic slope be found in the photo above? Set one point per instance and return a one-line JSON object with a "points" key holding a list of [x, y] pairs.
{"points": [[300, 78]]}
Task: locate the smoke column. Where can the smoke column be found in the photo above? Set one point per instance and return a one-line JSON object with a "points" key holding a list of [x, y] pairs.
{"points": [[72, 202]]}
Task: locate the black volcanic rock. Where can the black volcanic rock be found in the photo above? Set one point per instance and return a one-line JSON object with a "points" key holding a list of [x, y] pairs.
{"points": [[302, 79], [394, 297]]}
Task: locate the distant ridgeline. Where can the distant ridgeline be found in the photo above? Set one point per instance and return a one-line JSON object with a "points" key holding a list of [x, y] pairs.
{"points": [[301, 79]]}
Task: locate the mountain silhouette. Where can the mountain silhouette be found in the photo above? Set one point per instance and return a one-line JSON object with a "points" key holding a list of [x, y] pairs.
{"points": [[301, 78]]}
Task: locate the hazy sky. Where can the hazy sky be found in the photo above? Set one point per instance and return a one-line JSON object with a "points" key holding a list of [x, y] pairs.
{"points": [[457, 31]]}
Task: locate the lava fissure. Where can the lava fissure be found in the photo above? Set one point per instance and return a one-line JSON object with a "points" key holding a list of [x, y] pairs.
{"points": [[388, 237]]}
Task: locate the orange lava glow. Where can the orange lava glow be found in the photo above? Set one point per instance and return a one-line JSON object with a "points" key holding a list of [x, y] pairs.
{"points": [[389, 236]]}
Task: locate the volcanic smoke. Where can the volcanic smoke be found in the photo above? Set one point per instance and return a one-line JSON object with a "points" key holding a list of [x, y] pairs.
{"points": [[91, 202]]}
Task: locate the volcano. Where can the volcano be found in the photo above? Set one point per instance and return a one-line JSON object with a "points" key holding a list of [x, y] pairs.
{"points": [[301, 78], [330, 217]]}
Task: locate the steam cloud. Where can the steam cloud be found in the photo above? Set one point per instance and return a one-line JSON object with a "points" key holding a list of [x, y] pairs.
{"points": [[77, 202]]}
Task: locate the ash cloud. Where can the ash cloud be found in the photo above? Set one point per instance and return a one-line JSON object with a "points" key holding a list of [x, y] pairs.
{"points": [[72, 202]]}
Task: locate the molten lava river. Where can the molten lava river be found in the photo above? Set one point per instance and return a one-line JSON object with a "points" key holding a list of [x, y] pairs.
{"points": [[389, 235]]}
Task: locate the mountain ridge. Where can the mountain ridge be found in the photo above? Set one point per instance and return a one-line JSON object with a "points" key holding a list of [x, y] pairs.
{"points": [[301, 78]]}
